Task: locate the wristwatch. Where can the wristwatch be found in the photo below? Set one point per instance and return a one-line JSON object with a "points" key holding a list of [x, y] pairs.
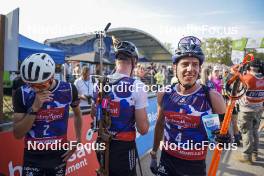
{"points": [[31, 112]]}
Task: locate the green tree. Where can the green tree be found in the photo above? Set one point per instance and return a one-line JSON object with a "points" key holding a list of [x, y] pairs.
{"points": [[218, 50]]}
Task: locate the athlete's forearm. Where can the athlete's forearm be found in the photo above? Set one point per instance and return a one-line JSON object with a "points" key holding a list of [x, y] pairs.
{"points": [[78, 128], [158, 134], [21, 127], [78, 123]]}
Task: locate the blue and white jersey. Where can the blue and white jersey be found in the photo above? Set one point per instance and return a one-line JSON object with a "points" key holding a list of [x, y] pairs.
{"points": [[51, 122], [124, 98], [122, 110]]}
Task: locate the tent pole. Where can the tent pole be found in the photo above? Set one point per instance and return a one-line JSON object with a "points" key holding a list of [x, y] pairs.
{"points": [[2, 49]]}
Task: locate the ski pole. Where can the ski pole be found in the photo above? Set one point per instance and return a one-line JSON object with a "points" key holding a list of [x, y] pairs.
{"points": [[233, 97]]}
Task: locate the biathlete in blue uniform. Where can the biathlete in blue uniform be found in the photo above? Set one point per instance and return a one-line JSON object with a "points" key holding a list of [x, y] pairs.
{"points": [[128, 102], [180, 111], [41, 116]]}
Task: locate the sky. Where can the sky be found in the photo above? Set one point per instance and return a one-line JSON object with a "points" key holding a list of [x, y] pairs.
{"points": [[167, 20]]}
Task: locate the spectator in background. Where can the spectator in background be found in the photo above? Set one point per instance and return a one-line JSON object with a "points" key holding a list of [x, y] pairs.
{"points": [[152, 71], [17, 83], [164, 72], [136, 72], [85, 88], [159, 77], [216, 79], [250, 110], [205, 78], [174, 79], [141, 71], [67, 72], [76, 71]]}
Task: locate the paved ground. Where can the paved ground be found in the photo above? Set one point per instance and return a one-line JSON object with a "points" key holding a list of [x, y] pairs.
{"points": [[229, 166]]}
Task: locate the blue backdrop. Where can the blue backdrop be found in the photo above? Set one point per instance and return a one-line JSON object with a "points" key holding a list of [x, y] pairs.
{"points": [[144, 143]]}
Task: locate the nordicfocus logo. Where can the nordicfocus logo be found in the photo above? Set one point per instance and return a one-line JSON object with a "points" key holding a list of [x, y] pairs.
{"points": [[189, 145], [125, 87], [58, 145]]}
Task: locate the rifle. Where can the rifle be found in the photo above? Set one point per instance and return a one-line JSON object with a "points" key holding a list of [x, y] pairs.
{"points": [[234, 93], [102, 120], [101, 124]]}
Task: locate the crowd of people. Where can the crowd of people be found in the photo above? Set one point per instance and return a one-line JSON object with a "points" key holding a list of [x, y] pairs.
{"points": [[197, 89]]}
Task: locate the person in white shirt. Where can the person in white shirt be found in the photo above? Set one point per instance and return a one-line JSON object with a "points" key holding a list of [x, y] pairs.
{"points": [[85, 88]]}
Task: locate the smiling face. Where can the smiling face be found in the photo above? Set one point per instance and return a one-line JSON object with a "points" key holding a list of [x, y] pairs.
{"points": [[187, 70]]}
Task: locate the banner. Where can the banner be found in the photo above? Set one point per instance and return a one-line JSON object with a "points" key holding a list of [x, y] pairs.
{"points": [[82, 162], [90, 45], [11, 41], [254, 43], [237, 56], [262, 43], [240, 44], [145, 143]]}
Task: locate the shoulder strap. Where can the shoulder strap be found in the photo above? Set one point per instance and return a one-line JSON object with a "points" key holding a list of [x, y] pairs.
{"points": [[207, 95]]}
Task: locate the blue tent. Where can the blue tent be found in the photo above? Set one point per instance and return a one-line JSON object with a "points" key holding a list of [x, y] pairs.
{"points": [[28, 47], [143, 59]]}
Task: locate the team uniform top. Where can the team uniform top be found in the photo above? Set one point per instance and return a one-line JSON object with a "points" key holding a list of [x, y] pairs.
{"points": [[123, 103], [254, 97], [52, 119], [183, 122]]}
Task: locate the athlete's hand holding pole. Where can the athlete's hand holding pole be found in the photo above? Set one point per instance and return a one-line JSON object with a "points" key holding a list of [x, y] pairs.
{"points": [[233, 97]]}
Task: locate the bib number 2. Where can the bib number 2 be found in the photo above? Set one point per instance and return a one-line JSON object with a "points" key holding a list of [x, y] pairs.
{"points": [[46, 127]]}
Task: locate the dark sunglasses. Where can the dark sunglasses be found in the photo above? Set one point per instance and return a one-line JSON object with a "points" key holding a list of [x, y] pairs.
{"points": [[43, 85]]}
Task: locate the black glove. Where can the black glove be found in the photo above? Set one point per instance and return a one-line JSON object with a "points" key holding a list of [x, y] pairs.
{"points": [[154, 166], [153, 163], [223, 139]]}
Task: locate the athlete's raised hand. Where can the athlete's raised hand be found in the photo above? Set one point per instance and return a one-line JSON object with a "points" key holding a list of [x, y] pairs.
{"points": [[41, 97]]}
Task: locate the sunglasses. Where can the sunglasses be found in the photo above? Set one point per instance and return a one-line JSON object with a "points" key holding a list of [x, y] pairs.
{"points": [[189, 43], [43, 85]]}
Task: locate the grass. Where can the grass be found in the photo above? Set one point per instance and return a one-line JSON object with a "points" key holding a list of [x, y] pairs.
{"points": [[7, 109]]}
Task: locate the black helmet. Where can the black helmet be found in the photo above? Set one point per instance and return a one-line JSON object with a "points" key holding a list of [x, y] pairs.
{"points": [[126, 48], [189, 46]]}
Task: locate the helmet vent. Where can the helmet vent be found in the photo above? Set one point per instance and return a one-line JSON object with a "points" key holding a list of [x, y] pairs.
{"points": [[43, 56], [46, 75], [30, 65]]}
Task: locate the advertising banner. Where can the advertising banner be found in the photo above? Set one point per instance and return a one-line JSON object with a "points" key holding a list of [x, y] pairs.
{"points": [[11, 41], [240, 44], [254, 43]]}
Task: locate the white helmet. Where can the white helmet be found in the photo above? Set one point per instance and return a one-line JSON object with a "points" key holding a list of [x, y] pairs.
{"points": [[37, 68]]}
